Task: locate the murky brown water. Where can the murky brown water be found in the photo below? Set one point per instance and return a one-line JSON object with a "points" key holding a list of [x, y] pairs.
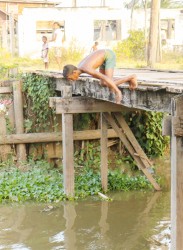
{"points": [[131, 221]]}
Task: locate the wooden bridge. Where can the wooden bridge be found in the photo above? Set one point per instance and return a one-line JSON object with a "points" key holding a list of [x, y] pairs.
{"points": [[159, 91]]}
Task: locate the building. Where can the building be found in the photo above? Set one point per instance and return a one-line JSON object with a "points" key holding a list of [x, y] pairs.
{"points": [[85, 21]]}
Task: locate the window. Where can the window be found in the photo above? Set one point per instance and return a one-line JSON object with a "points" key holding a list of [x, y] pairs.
{"points": [[107, 30], [167, 28]]}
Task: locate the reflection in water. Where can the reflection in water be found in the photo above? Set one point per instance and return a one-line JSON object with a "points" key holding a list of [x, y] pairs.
{"points": [[131, 221]]}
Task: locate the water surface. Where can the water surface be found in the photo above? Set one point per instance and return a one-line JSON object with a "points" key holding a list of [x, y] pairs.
{"points": [[133, 220]]}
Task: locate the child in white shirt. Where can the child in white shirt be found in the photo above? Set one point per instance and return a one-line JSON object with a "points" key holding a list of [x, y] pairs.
{"points": [[44, 52]]}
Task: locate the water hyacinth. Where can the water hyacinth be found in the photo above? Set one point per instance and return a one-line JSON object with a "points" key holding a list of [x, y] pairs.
{"points": [[43, 184]]}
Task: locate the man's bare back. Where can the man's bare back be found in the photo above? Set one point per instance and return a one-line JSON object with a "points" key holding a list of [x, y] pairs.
{"points": [[105, 60], [93, 60]]}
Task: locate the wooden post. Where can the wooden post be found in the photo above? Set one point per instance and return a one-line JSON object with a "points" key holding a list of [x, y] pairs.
{"points": [[68, 147], [104, 153], [4, 149], [19, 120], [177, 176]]}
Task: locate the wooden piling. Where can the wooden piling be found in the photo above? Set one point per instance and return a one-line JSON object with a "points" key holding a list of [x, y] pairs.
{"points": [[19, 120], [177, 174], [104, 153], [68, 147]]}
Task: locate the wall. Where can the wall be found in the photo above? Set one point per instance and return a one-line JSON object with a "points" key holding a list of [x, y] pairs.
{"points": [[79, 25]]}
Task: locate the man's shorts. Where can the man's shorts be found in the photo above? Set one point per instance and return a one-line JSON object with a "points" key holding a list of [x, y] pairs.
{"points": [[109, 61], [58, 51]]}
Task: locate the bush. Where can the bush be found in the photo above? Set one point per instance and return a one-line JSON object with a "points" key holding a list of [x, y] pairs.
{"points": [[133, 47]]}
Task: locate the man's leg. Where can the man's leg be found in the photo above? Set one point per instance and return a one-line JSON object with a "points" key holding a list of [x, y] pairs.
{"points": [[132, 79], [108, 73]]}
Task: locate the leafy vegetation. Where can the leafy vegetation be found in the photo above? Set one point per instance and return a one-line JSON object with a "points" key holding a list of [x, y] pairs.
{"points": [[147, 128], [42, 184], [132, 47], [8, 63], [37, 90]]}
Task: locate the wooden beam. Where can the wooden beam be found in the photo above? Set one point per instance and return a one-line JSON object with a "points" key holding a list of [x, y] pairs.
{"points": [[83, 105], [176, 178], [5, 90], [104, 153], [54, 137], [131, 149]]}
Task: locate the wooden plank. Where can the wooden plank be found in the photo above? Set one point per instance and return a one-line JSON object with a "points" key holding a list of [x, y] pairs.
{"points": [[104, 153], [176, 179], [152, 84], [5, 90], [6, 83], [83, 105], [131, 150], [19, 119], [54, 136]]}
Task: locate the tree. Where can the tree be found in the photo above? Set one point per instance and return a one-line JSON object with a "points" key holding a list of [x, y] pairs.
{"points": [[154, 34]]}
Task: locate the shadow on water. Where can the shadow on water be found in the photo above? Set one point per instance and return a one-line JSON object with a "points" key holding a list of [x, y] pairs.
{"points": [[130, 221]]}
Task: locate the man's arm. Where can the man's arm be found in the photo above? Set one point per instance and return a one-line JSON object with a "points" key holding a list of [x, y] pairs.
{"points": [[110, 83], [101, 76]]}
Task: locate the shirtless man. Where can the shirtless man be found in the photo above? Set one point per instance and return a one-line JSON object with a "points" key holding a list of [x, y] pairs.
{"points": [[105, 60]]}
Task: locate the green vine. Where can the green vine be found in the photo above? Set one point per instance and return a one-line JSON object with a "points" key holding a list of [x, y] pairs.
{"points": [[147, 128], [37, 90]]}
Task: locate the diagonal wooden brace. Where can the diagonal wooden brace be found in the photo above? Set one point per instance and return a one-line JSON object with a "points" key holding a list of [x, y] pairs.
{"points": [[130, 142]]}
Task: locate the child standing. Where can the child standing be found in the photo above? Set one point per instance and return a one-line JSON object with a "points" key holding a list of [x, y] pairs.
{"points": [[44, 51], [94, 47]]}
